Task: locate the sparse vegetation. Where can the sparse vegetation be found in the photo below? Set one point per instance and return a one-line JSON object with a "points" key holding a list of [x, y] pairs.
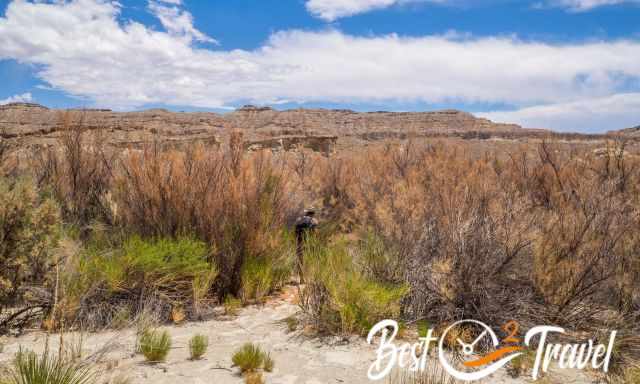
{"points": [[250, 358], [232, 305], [340, 297], [268, 364], [155, 345], [433, 374], [292, 323], [30, 229], [198, 346], [167, 274], [29, 368]]}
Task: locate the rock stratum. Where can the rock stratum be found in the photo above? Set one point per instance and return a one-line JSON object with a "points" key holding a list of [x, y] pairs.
{"points": [[26, 124]]}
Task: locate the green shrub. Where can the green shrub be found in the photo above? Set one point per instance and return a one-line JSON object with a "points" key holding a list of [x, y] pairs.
{"points": [[155, 345], [423, 328], [29, 368], [232, 305], [292, 323], [257, 279], [340, 297], [176, 272], [264, 273], [250, 357], [378, 261], [198, 346], [30, 229], [156, 263]]}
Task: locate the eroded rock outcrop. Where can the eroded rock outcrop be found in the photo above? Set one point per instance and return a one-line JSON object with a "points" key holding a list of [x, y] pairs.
{"points": [[263, 127]]}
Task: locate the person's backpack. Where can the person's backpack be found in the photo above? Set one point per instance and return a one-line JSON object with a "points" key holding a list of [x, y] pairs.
{"points": [[304, 224]]}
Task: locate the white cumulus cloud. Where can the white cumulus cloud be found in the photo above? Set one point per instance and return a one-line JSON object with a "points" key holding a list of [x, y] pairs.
{"points": [[590, 115], [23, 98], [82, 48], [331, 10], [177, 21]]}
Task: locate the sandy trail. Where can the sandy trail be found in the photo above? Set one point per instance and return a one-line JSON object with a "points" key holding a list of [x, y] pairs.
{"points": [[298, 359]]}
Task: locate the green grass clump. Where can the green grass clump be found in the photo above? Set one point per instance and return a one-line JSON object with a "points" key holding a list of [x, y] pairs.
{"points": [[198, 346], [155, 345], [29, 368], [262, 275], [129, 273], [423, 328], [250, 358], [232, 305], [268, 364], [156, 263], [292, 323], [340, 296]]}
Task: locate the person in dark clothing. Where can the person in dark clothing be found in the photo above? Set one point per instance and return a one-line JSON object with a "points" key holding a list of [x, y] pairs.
{"points": [[304, 225]]}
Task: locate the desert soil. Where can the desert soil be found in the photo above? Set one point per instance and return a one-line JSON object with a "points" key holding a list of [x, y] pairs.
{"points": [[299, 359]]}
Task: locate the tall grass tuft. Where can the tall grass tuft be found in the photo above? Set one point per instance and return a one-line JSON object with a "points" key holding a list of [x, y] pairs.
{"points": [[198, 346], [250, 358], [339, 296], [29, 368], [155, 345]]}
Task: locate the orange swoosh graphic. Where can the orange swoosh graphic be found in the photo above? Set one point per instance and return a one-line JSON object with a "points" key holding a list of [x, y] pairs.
{"points": [[491, 357]]}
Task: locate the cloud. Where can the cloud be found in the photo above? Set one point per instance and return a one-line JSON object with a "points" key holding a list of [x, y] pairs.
{"points": [[586, 5], [331, 10], [81, 48], [591, 115], [24, 98], [176, 21]]}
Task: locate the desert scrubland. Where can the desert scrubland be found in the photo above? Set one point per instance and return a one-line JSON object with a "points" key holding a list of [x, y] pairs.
{"points": [[176, 251]]}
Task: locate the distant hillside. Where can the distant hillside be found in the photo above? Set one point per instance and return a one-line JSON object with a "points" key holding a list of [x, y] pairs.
{"points": [[319, 129], [632, 132]]}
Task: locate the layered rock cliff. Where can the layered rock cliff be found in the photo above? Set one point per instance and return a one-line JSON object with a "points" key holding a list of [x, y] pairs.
{"points": [[318, 129]]}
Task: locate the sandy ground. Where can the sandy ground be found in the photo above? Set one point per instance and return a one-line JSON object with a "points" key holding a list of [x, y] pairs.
{"points": [[298, 359]]}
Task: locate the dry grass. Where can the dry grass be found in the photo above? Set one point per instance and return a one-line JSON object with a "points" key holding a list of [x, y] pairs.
{"points": [[466, 231], [433, 374]]}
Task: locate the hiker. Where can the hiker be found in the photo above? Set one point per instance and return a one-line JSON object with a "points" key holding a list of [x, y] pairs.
{"points": [[304, 225]]}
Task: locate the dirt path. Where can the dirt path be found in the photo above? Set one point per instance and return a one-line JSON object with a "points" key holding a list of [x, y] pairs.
{"points": [[299, 360]]}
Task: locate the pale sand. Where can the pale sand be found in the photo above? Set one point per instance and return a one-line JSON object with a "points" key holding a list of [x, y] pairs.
{"points": [[298, 359]]}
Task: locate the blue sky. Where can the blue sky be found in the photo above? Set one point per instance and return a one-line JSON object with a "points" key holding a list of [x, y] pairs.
{"points": [[571, 65]]}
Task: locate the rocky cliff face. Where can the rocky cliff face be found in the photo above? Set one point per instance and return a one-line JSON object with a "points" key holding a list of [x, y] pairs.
{"points": [[340, 123], [38, 125], [318, 129]]}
